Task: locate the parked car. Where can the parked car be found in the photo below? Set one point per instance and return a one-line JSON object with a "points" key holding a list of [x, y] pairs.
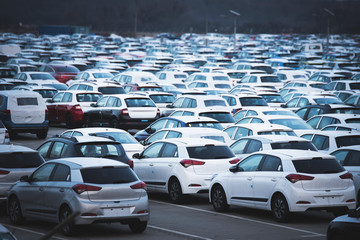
{"points": [[182, 166], [123, 111], [349, 158], [284, 181], [4, 134], [61, 72], [322, 120], [129, 143], [316, 109], [69, 107], [24, 111], [83, 146], [345, 227], [15, 161], [100, 190], [176, 122]]}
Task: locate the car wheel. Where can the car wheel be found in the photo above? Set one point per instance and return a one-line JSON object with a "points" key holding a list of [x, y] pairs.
{"points": [[138, 226], [175, 191], [280, 208], [42, 134], [69, 121], [14, 210], [64, 214], [114, 123], [218, 199]]}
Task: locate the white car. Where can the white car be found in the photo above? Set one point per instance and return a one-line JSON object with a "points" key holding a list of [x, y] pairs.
{"points": [[238, 101], [323, 120], [185, 132], [329, 141], [129, 143], [285, 181], [104, 88], [254, 111], [260, 80], [349, 158], [161, 99], [182, 166]]}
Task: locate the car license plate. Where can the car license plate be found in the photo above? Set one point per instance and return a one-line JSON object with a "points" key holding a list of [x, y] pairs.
{"points": [[116, 211]]}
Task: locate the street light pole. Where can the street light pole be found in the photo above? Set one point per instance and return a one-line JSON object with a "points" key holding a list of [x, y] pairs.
{"points": [[328, 28], [236, 14]]}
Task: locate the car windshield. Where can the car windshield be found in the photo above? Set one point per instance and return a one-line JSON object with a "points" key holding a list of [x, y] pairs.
{"points": [[252, 101], [273, 98], [291, 123], [108, 175], [20, 160], [163, 98], [101, 150], [279, 112], [139, 102], [210, 152], [221, 117], [41, 76], [323, 101], [294, 145], [103, 75], [270, 79], [318, 166]]}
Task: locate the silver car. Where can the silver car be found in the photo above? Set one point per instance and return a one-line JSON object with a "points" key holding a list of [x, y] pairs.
{"points": [[15, 161], [97, 190]]}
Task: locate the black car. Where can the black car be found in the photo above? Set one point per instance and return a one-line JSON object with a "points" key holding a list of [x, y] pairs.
{"points": [[311, 110], [83, 146], [346, 227]]}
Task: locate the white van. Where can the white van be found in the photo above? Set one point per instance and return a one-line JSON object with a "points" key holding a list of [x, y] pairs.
{"points": [[24, 111]]}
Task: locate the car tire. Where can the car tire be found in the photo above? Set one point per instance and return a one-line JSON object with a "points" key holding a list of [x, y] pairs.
{"points": [[175, 191], [64, 214], [14, 209], [138, 226], [114, 123], [42, 134], [69, 121], [218, 199], [280, 208]]}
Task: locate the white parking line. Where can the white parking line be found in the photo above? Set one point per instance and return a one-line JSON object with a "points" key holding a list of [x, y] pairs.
{"points": [[31, 231], [313, 234], [179, 233]]}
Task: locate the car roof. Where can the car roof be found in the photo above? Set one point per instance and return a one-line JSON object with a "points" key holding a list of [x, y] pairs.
{"points": [[96, 130], [187, 119], [88, 162], [276, 138], [293, 154], [14, 148], [263, 126], [188, 142]]}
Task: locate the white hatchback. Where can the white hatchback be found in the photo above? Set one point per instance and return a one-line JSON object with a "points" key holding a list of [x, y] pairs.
{"points": [[182, 166], [285, 181]]}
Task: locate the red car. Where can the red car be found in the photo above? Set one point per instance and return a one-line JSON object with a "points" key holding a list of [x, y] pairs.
{"points": [[61, 72], [69, 106]]}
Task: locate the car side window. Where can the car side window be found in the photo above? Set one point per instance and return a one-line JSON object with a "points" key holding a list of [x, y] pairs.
{"points": [[159, 124], [102, 101], [303, 102], [43, 173], [256, 120], [187, 113], [230, 131], [325, 121], [354, 159], [253, 146], [242, 132], [67, 97], [314, 121], [271, 163], [173, 134], [57, 97], [152, 151], [111, 102], [172, 124], [321, 142], [251, 163], [178, 102], [58, 149], [61, 173], [186, 103], [239, 146], [301, 113], [292, 103], [340, 156], [43, 150], [156, 136], [169, 150]]}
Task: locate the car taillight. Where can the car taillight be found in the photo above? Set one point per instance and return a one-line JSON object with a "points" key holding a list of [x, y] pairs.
{"points": [[77, 108], [187, 163], [125, 112], [347, 176], [236, 110], [140, 185], [6, 112], [46, 111], [131, 164], [7, 134], [80, 188], [4, 172], [234, 161], [293, 178]]}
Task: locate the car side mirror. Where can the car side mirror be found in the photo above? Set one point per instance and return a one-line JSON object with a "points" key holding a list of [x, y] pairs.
{"points": [[233, 169], [169, 106], [93, 105], [136, 155], [142, 142], [25, 179], [49, 101], [283, 105], [354, 213], [150, 130]]}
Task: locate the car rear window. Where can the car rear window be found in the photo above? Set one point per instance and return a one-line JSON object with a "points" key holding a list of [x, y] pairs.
{"points": [[347, 141], [111, 90], [104, 150], [88, 97], [139, 102], [27, 101], [20, 160], [252, 101], [294, 145], [318, 166], [210, 152], [210, 103], [66, 69], [221, 117], [108, 175]]}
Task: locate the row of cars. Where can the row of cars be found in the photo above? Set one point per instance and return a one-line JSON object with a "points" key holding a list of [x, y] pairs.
{"points": [[249, 135]]}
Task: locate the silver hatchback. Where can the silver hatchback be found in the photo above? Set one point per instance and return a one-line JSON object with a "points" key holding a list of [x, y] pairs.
{"points": [[98, 190]]}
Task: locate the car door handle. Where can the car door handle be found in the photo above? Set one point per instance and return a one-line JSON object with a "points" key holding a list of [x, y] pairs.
{"points": [[41, 189], [274, 179], [151, 164], [249, 178], [61, 190], [170, 165]]}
